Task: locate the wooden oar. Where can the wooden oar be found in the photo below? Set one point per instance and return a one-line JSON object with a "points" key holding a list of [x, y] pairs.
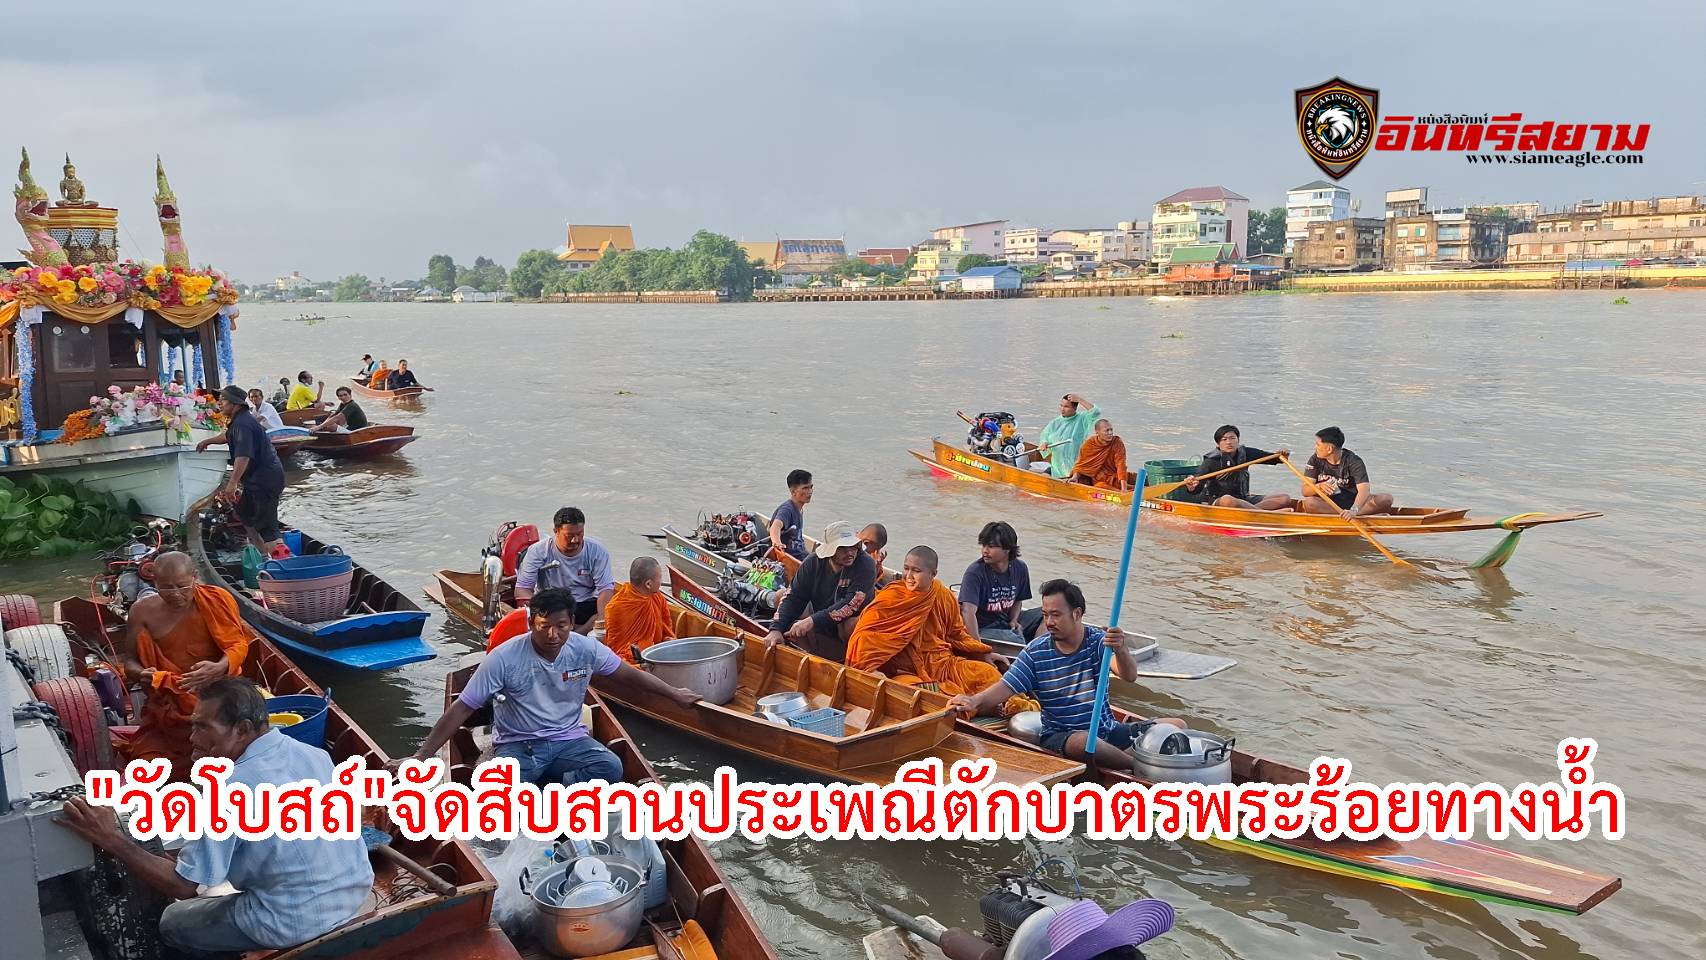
{"points": [[1162, 489], [1361, 527], [1113, 622]]}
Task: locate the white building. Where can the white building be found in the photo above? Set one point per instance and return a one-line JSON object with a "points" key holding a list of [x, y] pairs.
{"points": [[1031, 244], [1128, 241], [295, 283], [1314, 202], [986, 237], [467, 294], [1200, 215]]}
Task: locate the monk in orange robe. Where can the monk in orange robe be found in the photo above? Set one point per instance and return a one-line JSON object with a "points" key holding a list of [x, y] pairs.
{"points": [[912, 631], [1101, 460], [179, 640], [637, 615]]}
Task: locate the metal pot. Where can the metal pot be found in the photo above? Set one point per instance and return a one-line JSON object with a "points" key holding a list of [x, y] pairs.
{"points": [[1184, 756], [1026, 726], [780, 706], [709, 666], [607, 924]]}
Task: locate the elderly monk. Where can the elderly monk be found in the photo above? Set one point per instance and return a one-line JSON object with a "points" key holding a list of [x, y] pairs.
{"points": [[1101, 460], [914, 633], [179, 640], [637, 615]]}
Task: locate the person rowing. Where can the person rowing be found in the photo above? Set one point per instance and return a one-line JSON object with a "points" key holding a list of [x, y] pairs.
{"points": [[1061, 437], [1342, 477], [1233, 489], [1101, 460]]}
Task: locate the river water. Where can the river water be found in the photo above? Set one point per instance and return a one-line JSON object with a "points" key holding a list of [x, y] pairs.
{"points": [[1504, 402]]}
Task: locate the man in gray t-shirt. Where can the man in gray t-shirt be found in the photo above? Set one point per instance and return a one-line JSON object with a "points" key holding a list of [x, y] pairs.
{"points": [[567, 559]]}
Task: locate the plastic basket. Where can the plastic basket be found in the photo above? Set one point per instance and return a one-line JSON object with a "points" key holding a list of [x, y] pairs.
{"points": [[825, 720], [309, 567], [308, 601], [312, 709]]}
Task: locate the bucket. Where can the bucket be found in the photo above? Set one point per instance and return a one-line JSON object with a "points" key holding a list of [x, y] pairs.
{"points": [[1171, 471], [312, 710], [709, 666], [293, 540]]}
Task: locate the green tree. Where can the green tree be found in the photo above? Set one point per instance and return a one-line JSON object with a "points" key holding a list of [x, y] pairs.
{"points": [[1267, 232], [351, 287], [441, 272], [971, 260], [533, 269], [1032, 272]]}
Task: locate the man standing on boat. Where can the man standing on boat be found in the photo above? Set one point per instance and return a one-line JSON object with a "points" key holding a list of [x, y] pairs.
{"points": [[257, 475], [1343, 477], [993, 590], [1062, 436], [788, 523], [567, 559], [834, 582], [1233, 489], [289, 890], [538, 682], [1059, 669]]}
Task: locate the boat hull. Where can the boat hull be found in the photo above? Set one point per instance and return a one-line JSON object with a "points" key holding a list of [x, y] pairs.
{"points": [[378, 440], [407, 393], [152, 467]]}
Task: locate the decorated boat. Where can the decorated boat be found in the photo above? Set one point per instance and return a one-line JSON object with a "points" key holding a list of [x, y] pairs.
{"points": [[947, 460], [378, 440], [89, 345], [362, 623]]}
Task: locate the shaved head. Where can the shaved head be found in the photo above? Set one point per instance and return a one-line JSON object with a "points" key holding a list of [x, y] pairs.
{"points": [[926, 558], [174, 564], [643, 569]]}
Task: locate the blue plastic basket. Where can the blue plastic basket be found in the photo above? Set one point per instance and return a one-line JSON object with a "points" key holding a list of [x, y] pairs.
{"points": [[312, 729], [310, 567], [825, 720]]}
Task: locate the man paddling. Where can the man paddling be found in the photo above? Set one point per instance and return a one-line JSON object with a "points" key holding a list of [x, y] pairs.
{"points": [[1060, 670], [1343, 477], [1062, 436], [912, 631], [403, 377], [1233, 489], [835, 582]]}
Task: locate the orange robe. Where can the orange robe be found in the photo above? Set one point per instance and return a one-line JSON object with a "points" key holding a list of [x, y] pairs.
{"points": [[634, 620], [213, 629], [1103, 461], [916, 638]]}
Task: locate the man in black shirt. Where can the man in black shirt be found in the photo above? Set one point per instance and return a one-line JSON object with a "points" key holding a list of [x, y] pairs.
{"points": [[403, 376], [835, 582], [1233, 489], [1342, 476], [349, 414], [257, 476]]}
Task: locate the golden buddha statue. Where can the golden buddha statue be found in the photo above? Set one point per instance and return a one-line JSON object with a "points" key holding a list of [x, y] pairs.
{"points": [[71, 188]]}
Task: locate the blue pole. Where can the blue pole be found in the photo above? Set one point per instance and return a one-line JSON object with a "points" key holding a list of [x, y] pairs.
{"points": [[1114, 617]]}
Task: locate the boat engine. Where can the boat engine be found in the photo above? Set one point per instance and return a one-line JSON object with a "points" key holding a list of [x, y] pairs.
{"points": [[995, 435], [1017, 912], [738, 535], [749, 598]]}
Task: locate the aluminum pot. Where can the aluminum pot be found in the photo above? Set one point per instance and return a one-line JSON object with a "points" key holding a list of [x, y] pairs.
{"points": [[780, 706], [585, 931], [709, 666], [1026, 726], [1185, 756]]}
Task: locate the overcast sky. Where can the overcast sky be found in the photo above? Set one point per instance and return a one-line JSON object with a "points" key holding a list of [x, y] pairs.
{"points": [[366, 136]]}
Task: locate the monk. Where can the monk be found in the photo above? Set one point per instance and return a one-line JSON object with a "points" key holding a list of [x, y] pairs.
{"points": [[637, 615], [180, 639], [913, 632], [1101, 460]]}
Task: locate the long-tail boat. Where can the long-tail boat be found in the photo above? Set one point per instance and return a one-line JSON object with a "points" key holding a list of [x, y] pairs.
{"points": [[377, 440], [409, 920], [407, 393], [702, 903], [379, 630], [947, 460], [887, 723]]}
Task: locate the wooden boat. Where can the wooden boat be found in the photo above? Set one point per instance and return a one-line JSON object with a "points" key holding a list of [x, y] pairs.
{"points": [[361, 389], [305, 417], [887, 723], [286, 441], [698, 890], [948, 460], [381, 628], [688, 591], [377, 440], [409, 920]]}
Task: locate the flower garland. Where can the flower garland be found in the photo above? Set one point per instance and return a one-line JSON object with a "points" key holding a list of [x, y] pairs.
{"points": [[26, 381], [227, 351], [82, 425], [148, 287]]}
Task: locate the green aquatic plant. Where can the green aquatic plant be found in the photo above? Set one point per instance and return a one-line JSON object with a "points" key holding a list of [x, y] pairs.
{"points": [[1620, 302], [51, 517], [1173, 336]]}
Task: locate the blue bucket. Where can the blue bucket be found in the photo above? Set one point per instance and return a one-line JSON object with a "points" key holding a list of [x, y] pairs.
{"points": [[312, 729], [293, 540], [310, 567]]}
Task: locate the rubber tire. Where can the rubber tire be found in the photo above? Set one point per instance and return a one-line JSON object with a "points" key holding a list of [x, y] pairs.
{"points": [[83, 718], [18, 610], [45, 647]]}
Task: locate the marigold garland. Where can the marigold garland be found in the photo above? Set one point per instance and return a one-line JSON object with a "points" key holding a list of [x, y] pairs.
{"points": [[83, 425]]}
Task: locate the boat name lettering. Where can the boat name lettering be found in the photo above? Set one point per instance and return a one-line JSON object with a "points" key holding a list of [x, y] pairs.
{"points": [[970, 462], [697, 556], [926, 801]]}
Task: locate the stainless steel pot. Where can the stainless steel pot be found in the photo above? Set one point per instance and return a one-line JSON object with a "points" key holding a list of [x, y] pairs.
{"points": [[709, 666], [782, 705], [585, 931], [1185, 756], [1026, 726]]}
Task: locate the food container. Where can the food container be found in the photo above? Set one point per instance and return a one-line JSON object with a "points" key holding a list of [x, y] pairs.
{"points": [[576, 919], [1184, 756], [1026, 726], [782, 705], [709, 666]]}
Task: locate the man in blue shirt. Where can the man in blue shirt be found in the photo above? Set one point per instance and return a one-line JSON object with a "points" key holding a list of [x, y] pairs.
{"points": [[1059, 669], [256, 483], [291, 890], [994, 588], [539, 682], [567, 559], [788, 523]]}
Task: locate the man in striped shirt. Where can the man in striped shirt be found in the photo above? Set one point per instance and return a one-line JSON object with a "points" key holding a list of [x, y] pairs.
{"points": [[1059, 670]]}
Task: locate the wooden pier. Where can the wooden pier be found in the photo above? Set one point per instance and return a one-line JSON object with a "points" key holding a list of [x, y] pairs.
{"points": [[1591, 280], [840, 294], [644, 296]]}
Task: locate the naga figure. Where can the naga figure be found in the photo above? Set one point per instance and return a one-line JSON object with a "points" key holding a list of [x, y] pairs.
{"points": [[71, 188], [166, 205], [31, 209]]}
